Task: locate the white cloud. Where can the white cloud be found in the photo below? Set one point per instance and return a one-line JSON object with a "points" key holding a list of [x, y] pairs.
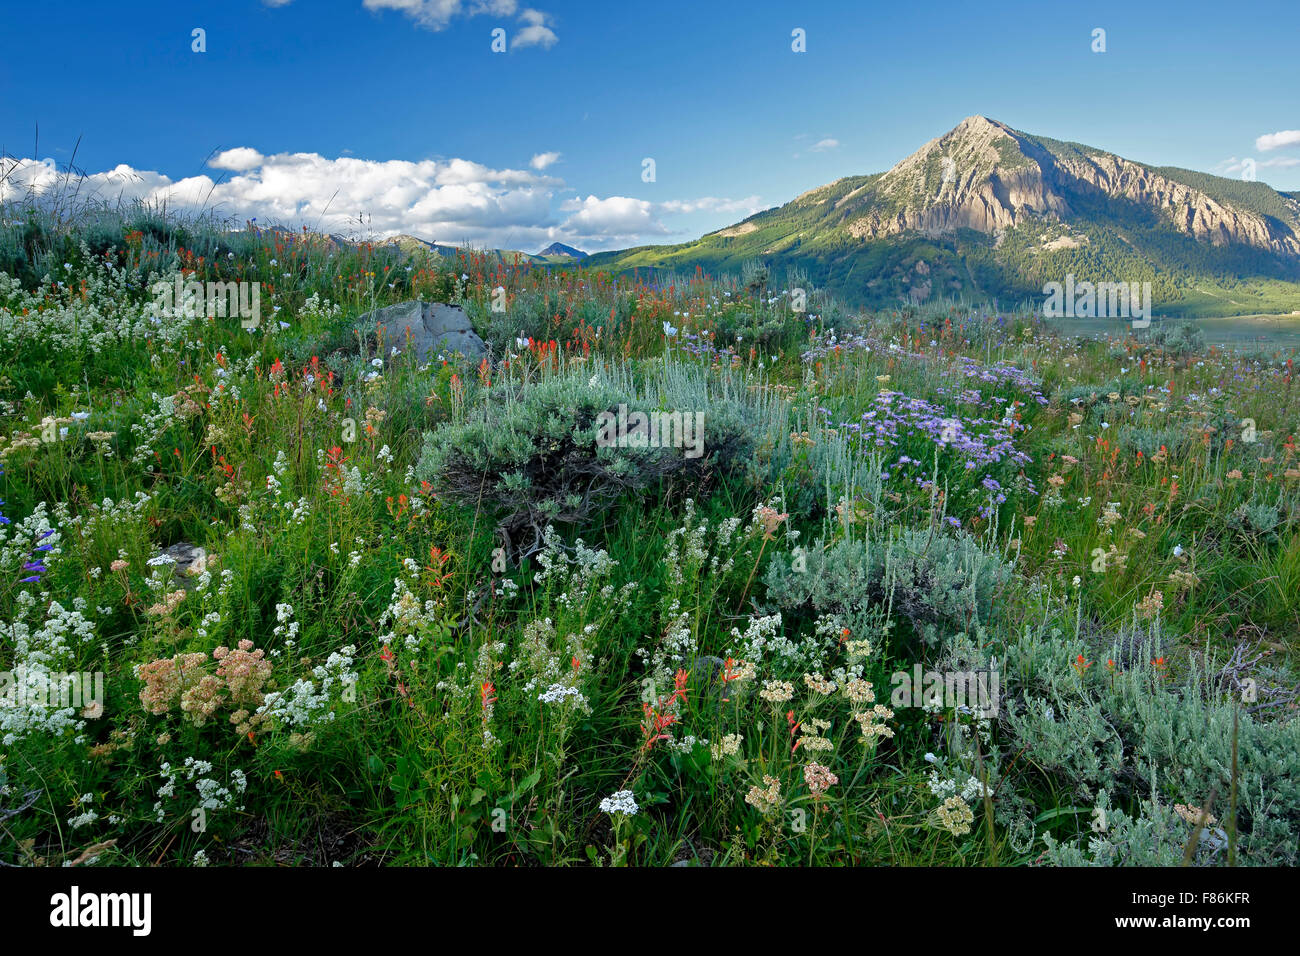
{"points": [[542, 160], [615, 216], [1286, 137], [239, 159], [498, 8], [434, 14], [537, 33], [438, 14], [824, 144], [449, 201]]}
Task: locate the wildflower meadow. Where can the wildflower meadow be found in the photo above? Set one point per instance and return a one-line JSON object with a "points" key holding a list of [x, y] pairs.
{"points": [[683, 570]]}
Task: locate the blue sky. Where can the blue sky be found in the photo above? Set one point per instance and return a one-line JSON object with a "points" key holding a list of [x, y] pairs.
{"points": [[407, 116]]}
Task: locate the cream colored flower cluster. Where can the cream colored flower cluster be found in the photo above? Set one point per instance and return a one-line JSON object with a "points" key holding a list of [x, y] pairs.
{"points": [[765, 799], [956, 816]]}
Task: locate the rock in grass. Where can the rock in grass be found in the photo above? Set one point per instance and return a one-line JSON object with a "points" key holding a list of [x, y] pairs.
{"points": [[188, 561], [434, 329]]}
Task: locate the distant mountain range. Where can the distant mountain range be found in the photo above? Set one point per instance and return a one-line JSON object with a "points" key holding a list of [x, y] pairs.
{"points": [[989, 212], [555, 254]]}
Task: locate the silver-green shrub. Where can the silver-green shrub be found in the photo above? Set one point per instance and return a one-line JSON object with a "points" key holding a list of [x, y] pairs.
{"points": [[530, 455], [942, 583], [1102, 729]]}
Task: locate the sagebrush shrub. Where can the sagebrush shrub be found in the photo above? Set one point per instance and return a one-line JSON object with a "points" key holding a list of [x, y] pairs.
{"points": [[1255, 521], [1179, 340], [939, 582], [532, 455], [1095, 728], [1155, 836]]}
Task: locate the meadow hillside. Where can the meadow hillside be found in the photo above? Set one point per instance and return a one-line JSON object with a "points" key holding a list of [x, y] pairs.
{"points": [[351, 605]]}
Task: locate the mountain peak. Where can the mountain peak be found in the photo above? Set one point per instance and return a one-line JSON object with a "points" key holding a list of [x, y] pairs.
{"points": [[560, 249], [980, 175], [976, 141], [978, 122]]}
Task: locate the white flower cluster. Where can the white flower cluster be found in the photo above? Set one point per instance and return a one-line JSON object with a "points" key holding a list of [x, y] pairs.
{"points": [[973, 789], [38, 655], [287, 627], [406, 618], [729, 746], [152, 427], [687, 545], [18, 539], [303, 704], [560, 693], [209, 621], [316, 307], [535, 654], [677, 647], [113, 517], [107, 317], [354, 482], [87, 815], [212, 795], [763, 642], [300, 509], [622, 802], [686, 744], [762, 637], [579, 570]]}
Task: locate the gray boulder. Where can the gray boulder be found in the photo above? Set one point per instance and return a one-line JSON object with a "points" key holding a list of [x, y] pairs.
{"points": [[188, 561], [434, 329]]}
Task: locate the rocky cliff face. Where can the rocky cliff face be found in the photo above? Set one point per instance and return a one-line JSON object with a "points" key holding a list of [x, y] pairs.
{"points": [[1189, 210], [985, 176]]}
